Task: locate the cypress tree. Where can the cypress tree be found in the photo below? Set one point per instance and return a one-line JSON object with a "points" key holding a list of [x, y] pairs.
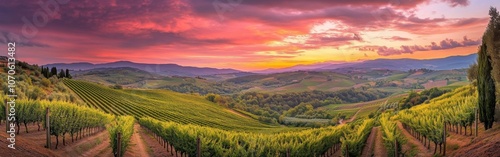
{"points": [[42, 70], [486, 88], [53, 71], [67, 74], [61, 74], [47, 72]]}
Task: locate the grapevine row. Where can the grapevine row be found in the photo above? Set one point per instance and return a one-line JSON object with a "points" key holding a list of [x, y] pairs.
{"points": [[162, 105], [426, 122]]}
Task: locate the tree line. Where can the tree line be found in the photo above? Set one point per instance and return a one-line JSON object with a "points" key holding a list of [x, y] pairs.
{"points": [[271, 106], [486, 72], [53, 72]]}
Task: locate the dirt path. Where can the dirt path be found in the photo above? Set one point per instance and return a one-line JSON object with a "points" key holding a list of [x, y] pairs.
{"points": [[24, 147], [368, 149], [137, 147], [351, 119], [237, 113], [102, 140], [422, 150], [154, 148], [379, 148]]}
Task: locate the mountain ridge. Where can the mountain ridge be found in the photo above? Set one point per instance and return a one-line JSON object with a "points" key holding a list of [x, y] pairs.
{"points": [[161, 69], [170, 69]]}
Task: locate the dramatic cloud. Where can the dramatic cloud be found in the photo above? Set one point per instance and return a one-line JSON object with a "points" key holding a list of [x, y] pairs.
{"points": [[397, 38], [187, 31], [444, 44], [455, 3]]}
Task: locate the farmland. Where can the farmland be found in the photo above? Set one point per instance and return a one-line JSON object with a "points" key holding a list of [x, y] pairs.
{"points": [[163, 105]]}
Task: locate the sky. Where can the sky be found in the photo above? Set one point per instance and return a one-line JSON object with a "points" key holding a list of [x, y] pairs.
{"points": [[241, 34]]}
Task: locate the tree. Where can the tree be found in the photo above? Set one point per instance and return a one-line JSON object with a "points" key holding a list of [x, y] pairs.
{"points": [[486, 88], [53, 71], [492, 40], [488, 69], [472, 72], [67, 74], [46, 72], [61, 74]]}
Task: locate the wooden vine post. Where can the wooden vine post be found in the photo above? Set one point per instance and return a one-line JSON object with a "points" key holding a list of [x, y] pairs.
{"points": [[444, 138], [47, 126], [396, 148], [346, 150], [198, 147], [476, 119], [118, 144]]}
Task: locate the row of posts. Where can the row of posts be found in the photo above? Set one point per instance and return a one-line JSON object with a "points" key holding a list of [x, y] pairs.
{"points": [[47, 123], [198, 143]]}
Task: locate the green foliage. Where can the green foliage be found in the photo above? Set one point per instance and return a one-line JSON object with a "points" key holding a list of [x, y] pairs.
{"points": [[353, 142], [472, 72], [53, 72], [61, 74], [415, 98], [65, 118], [273, 105], [486, 84], [163, 105], [217, 142], [125, 126], [307, 111], [392, 136], [67, 74], [210, 97], [117, 86], [454, 108]]}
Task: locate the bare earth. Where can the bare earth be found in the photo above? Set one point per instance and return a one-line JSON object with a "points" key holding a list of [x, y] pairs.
{"points": [[379, 149], [368, 150], [422, 150], [136, 147]]}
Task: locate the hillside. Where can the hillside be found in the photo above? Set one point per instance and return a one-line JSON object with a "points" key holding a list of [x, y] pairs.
{"points": [[160, 69], [163, 105], [296, 82], [447, 63]]}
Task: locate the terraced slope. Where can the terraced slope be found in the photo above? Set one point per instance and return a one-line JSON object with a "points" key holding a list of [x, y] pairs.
{"points": [[164, 105]]}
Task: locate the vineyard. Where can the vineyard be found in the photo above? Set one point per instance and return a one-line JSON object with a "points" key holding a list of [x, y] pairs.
{"points": [[120, 131], [217, 142], [65, 118], [194, 126], [164, 105], [427, 122]]}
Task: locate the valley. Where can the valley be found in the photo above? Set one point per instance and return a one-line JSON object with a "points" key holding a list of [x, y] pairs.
{"points": [[341, 108]]}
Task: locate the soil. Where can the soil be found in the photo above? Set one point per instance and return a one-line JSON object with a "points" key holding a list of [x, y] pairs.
{"points": [[486, 144], [153, 146], [368, 150], [379, 149], [422, 150]]}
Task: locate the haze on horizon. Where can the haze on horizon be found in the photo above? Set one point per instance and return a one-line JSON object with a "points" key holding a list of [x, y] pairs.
{"points": [[242, 34]]}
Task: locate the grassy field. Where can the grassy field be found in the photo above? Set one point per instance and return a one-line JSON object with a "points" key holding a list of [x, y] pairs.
{"points": [[364, 108], [165, 105], [293, 119]]}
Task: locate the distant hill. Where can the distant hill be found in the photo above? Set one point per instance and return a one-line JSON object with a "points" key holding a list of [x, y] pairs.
{"points": [[297, 81], [448, 63], [160, 69], [137, 78]]}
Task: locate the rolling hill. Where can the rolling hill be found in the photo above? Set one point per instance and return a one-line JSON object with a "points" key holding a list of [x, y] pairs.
{"points": [[296, 81], [160, 69], [448, 63], [164, 105]]}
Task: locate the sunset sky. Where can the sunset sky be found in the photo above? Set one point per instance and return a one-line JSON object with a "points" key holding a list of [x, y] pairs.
{"points": [[241, 34]]}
